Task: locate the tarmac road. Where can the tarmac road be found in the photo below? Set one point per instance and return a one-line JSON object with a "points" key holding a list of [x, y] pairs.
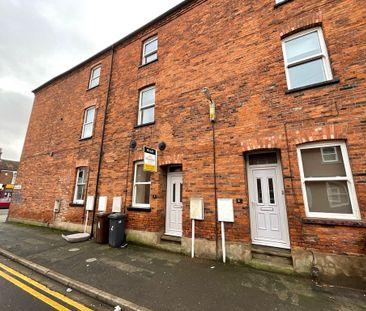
{"points": [[14, 298], [22, 289]]}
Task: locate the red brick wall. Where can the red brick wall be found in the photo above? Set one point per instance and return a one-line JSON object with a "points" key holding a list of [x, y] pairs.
{"points": [[234, 48], [53, 149]]}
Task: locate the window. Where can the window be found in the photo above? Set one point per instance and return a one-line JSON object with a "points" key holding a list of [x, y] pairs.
{"points": [[146, 106], [88, 123], [150, 50], [329, 154], [306, 59], [95, 76], [141, 186], [14, 177], [262, 158], [327, 181], [80, 185], [259, 191]]}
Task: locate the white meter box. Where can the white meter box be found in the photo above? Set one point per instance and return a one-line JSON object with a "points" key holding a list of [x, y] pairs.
{"points": [[197, 208], [117, 204], [102, 206], [225, 210], [90, 203]]}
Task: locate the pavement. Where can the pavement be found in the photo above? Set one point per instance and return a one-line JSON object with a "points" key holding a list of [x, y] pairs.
{"points": [[3, 214], [158, 280]]}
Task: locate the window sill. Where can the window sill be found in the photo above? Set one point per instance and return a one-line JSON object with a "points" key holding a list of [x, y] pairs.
{"points": [[86, 138], [334, 222], [312, 86], [139, 209], [281, 3], [144, 65], [72, 204], [143, 125], [91, 88]]}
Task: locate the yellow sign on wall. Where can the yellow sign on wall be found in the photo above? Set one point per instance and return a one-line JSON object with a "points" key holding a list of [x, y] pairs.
{"points": [[150, 160]]}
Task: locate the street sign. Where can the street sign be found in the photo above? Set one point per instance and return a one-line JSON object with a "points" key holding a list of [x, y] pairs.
{"points": [[150, 160]]}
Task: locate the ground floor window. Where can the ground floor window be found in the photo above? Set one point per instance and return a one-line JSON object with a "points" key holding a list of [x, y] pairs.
{"points": [[327, 181], [80, 185], [141, 186]]}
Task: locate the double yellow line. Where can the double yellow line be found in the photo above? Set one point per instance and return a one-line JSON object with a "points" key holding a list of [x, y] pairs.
{"points": [[37, 294]]}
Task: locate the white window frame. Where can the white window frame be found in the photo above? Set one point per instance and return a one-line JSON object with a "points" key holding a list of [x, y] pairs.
{"points": [[134, 204], [139, 121], [85, 169], [146, 55], [14, 177], [87, 123], [92, 79], [323, 55], [325, 154], [348, 178]]}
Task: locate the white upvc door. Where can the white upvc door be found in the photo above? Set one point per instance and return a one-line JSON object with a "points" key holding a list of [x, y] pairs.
{"points": [[174, 205], [269, 225]]}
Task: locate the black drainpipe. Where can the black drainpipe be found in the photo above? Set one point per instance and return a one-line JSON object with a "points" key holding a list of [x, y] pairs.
{"points": [[102, 144], [215, 189]]}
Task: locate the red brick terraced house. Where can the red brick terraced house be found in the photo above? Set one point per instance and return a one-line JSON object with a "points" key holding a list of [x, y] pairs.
{"points": [[8, 171], [288, 144]]}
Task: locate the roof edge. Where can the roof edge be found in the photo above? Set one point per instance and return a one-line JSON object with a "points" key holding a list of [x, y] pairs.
{"points": [[127, 37]]}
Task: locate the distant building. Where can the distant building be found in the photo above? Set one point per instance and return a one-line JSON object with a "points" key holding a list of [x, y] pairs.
{"points": [[8, 174], [8, 171]]}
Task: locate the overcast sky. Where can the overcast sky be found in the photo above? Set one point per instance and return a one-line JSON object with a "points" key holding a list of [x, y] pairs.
{"points": [[40, 39]]}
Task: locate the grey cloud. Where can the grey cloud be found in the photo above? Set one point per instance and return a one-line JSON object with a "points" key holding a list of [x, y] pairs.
{"points": [[32, 34], [14, 115], [29, 37]]}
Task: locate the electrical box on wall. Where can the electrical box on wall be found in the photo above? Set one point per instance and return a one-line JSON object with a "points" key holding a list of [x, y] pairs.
{"points": [[197, 208], [57, 206], [225, 210], [90, 203], [117, 204], [102, 206]]}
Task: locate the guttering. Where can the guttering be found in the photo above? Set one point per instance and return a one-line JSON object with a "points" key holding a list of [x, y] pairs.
{"points": [[102, 142], [121, 41]]}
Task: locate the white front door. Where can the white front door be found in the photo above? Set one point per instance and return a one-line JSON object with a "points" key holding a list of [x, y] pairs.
{"points": [[268, 216], [174, 205]]}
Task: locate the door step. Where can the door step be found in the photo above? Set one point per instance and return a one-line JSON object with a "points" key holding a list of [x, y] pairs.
{"points": [[170, 238], [272, 259], [170, 243], [271, 267]]}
